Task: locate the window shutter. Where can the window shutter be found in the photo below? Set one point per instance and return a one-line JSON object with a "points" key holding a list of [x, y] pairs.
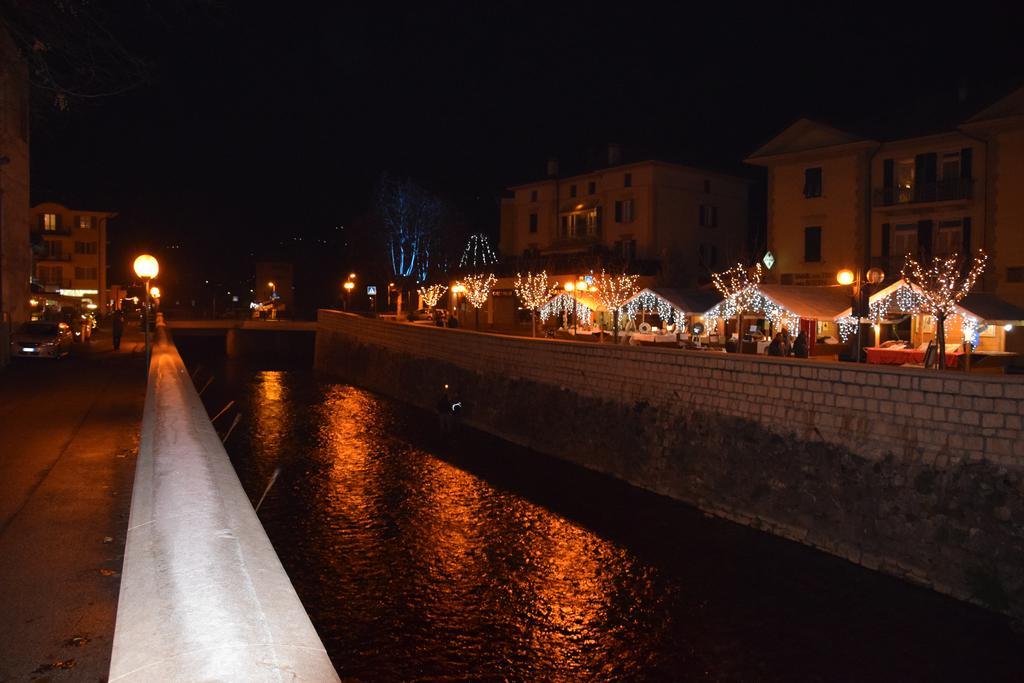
{"points": [[886, 232], [888, 177], [618, 211], [967, 237], [77, 221], [966, 159], [59, 216], [924, 238], [931, 167], [42, 221]]}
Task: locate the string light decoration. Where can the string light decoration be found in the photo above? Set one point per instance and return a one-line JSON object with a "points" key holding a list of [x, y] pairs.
{"points": [[647, 302], [564, 304], [942, 285], [847, 326], [614, 292], [432, 294], [478, 288], [478, 252], [740, 288], [534, 291]]}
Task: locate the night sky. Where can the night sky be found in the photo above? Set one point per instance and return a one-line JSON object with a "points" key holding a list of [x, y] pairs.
{"points": [[262, 125]]}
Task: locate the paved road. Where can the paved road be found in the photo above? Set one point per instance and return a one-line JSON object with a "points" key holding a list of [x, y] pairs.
{"points": [[68, 441]]}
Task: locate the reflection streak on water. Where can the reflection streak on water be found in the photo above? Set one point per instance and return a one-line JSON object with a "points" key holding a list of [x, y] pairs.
{"points": [[474, 552]]}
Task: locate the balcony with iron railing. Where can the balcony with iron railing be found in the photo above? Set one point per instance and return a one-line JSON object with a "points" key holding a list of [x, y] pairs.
{"points": [[43, 258], [949, 189]]}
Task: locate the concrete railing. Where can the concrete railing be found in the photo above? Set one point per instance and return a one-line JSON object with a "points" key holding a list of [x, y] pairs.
{"points": [[203, 594]]}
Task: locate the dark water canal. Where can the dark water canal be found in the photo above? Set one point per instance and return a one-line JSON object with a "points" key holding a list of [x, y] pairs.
{"points": [[469, 559]]}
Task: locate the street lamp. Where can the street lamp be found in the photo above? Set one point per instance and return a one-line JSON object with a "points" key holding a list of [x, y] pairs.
{"points": [[146, 267], [349, 286], [862, 286], [154, 292]]}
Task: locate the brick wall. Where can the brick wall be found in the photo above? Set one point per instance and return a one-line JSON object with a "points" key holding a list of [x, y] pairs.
{"points": [[915, 473], [869, 410]]}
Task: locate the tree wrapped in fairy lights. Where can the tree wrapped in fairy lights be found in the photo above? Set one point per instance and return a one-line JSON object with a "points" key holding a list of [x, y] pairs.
{"points": [[432, 294], [477, 288], [941, 286], [739, 287], [614, 291], [533, 291]]}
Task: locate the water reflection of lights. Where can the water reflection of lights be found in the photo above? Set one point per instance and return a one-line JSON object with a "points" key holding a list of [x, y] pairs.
{"points": [[271, 410]]}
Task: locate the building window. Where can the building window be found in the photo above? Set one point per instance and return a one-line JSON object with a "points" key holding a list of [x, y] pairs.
{"points": [[581, 224], [533, 195], [708, 216], [533, 222], [591, 187], [85, 273], [572, 190], [625, 248], [628, 180], [707, 186], [1015, 274], [50, 222], [624, 211], [709, 256], [812, 182], [812, 244], [949, 239], [904, 239], [51, 275], [85, 247], [85, 222], [54, 248]]}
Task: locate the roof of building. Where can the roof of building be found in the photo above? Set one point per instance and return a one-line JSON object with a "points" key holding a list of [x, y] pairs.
{"points": [[990, 308], [687, 300], [812, 303], [937, 112]]}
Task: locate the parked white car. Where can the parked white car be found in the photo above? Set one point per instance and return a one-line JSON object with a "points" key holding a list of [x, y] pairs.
{"points": [[42, 340]]}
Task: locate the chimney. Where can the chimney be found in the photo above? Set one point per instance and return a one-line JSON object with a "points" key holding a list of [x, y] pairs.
{"points": [[552, 167], [614, 154]]}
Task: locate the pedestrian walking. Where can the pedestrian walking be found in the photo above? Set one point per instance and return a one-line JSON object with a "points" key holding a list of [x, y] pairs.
{"points": [[118, 328]]}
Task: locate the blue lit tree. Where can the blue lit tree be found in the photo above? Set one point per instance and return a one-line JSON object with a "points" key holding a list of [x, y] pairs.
{"points": [[411, 218]]}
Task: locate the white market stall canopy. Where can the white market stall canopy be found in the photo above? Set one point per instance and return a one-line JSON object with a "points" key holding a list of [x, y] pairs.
{"points": [[901, 298], [670, 304], [784, 305]]}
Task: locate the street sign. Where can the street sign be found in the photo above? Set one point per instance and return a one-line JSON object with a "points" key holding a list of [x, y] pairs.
{"points": [[371, 290]]}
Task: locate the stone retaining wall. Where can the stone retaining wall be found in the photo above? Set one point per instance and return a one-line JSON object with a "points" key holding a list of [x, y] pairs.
{"points": [[915, 473]]}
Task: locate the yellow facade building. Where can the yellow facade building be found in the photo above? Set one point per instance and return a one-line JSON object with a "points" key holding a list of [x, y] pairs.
{"points": [[683, 223], [71, 251], [838, 200]]}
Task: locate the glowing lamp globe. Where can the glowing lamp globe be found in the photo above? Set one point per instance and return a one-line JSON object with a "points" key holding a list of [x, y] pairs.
{"points": [[146, 267], [845, 277], [569, 286], [875, 275], [154, 292], [349, 285]]}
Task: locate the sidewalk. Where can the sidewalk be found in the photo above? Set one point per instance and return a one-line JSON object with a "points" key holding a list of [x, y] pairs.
{"points": [[68, 442]]}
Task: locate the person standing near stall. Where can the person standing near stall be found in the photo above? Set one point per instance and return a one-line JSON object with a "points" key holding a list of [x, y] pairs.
{"points": [[117, 326]]}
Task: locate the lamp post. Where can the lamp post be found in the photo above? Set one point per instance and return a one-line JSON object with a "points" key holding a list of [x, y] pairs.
{"points": [[862, 289], [146, 267], [349, 286]]}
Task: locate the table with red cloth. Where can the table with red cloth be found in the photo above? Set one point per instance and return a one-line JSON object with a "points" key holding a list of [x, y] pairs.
{"points": [[881, 356]]}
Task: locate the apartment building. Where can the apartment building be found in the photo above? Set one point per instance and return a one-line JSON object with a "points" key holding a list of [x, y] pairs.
{"points": [[15, 262], [683, 222], [71, 251], [840, 200]]}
